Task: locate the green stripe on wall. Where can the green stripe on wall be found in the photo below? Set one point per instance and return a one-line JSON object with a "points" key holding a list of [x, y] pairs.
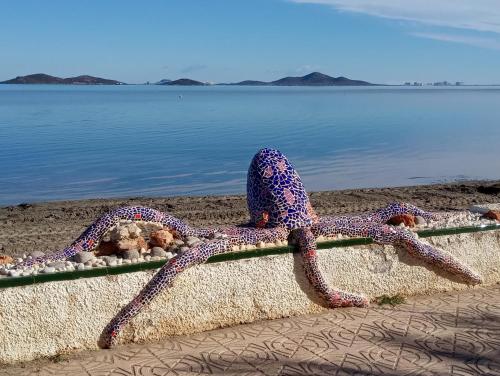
{"points": [[231, 256]]}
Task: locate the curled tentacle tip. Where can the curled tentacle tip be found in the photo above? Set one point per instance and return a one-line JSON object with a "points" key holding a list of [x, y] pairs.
{"points": [[364, 303], [108, 338], [106, 342], [475, 279], [360, 302]]}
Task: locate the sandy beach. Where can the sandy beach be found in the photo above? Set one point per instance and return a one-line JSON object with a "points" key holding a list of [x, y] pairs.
{"points": [[52, 225]]}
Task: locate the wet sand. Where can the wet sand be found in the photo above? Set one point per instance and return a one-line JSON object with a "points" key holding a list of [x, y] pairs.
{"points": [[53, 225]]}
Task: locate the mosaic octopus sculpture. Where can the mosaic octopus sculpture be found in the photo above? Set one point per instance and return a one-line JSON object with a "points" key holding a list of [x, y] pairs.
{"points": [[279, 206]]}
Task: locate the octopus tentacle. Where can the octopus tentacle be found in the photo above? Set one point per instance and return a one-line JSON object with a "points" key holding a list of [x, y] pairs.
{"points": [[162, 279], [386, 213], [392, 235], [350, 226], [397, 208], [385, 234], [335, 298], [251, 235], [91, 237]]}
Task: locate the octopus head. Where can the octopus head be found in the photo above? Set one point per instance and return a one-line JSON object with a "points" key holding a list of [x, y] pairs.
{"points": [[275, 193]]}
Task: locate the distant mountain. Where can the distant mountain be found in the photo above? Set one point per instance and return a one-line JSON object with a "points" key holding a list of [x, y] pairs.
{"points": [[90, 80], [311, 79], [318, 79], [184, 82], [41, 78], [251, 83]]}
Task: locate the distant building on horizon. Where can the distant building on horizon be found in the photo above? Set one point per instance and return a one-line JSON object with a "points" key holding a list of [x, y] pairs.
{"points": [[442, 83]]}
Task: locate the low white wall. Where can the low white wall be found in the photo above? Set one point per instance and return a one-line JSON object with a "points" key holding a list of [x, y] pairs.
{"points": [[58, 317]]}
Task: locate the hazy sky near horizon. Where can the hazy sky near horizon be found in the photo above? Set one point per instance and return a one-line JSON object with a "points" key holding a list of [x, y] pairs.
{"points": [[386, 41]]}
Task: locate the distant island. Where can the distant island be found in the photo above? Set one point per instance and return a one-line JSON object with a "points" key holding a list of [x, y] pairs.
{"points": [[311, 79], [250, 83], [41, 78], [181, 82]]}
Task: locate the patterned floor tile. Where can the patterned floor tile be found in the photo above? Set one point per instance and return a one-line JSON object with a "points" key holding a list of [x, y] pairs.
{"points": [[447, 334]]}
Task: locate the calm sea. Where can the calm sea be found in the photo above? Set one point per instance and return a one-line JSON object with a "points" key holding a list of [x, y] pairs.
{"points": [[73, 142]]}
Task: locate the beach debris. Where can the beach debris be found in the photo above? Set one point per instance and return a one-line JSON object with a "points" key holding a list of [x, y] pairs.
{"points": [[131, 254], [110, 260], [83, 257], [125, 236], [420, 221], [492, 214], [493, 189], [36, 254], [484, 208], [124, 231], [160, 238], [134, 244], [158, 251], [4, 259], [49, 269], [184, 249], [58, 265], [149, 227], [407, 220], [14, 273], [106, 248], [192, 241]]}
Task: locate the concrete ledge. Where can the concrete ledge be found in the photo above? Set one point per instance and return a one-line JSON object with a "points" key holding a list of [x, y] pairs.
{"points": [[63, 316]]}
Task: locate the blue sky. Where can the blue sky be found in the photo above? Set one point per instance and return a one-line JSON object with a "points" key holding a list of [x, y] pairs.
{"points": [[386, 41]]}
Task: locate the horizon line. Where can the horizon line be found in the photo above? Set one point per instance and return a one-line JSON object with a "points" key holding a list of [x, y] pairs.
{"points": [[206, 82]]}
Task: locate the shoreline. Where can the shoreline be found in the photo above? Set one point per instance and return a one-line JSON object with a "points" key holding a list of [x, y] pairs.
{"points": [[48, 226]]}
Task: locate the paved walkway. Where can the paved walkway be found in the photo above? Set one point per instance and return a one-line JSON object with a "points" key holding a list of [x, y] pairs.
{"points": [[447, 334]]}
